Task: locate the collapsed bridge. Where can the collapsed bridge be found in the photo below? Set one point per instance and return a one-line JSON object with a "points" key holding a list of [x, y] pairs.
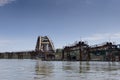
{"points": [[44, 50]]}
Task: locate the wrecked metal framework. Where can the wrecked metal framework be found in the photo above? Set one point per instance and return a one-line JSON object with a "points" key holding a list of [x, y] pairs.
{"points": [[82, 51]]}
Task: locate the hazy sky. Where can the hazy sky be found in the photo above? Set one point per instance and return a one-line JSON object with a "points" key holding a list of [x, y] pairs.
{"points": [[64, 21]]}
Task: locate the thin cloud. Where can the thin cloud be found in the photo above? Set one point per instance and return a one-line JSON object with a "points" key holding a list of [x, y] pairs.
{"points": [[89, 2], [4, 2], [105, 36], [5, 42]]}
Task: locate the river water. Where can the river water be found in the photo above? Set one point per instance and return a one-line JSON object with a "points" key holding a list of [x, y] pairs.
{"points": [[26, 69]]}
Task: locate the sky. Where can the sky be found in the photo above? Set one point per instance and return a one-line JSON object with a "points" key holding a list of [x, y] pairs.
{"points": [[63, 21]]}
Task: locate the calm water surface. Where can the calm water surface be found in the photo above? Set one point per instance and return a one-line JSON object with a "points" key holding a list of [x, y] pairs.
{"points": [[13, 69]]}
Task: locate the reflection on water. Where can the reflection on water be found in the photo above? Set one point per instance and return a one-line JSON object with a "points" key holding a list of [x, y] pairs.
{"points": [[43, 69], [84, 68], [57, 70]]}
